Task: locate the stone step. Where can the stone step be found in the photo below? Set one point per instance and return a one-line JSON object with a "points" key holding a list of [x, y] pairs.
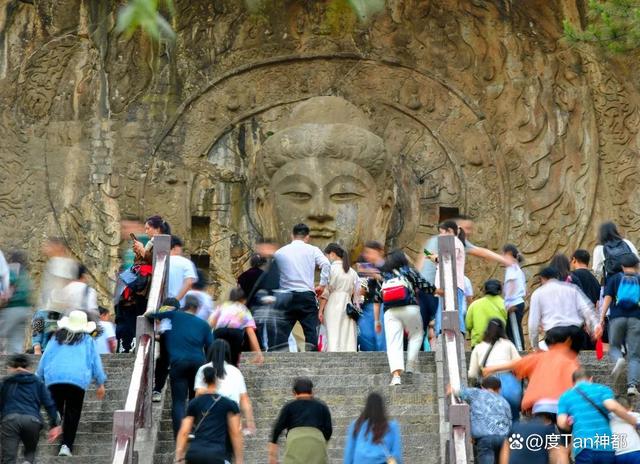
{"points": [[265, 423], [326, 383], [416, 450], [93, 441], [343, 381], [76, 458]]}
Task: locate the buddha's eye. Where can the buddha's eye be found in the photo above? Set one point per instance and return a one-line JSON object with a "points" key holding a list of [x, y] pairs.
{"points": [[346, 196], [297, 196], [347, 188]]}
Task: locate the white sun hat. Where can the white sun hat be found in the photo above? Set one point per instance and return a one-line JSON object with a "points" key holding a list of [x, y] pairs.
{"points": [[77, 322]]}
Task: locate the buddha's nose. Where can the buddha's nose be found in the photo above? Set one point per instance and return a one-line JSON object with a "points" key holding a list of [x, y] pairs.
{"points": [[320, 211]]}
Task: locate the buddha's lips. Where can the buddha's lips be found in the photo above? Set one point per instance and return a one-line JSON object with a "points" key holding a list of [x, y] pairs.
{"points": [[322, 233]]}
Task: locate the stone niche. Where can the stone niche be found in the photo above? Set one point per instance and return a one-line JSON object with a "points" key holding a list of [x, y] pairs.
{"points": [[250, 123]]}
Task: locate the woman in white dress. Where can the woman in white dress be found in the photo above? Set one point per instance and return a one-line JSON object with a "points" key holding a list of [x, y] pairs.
{"points": [[342, 289]]}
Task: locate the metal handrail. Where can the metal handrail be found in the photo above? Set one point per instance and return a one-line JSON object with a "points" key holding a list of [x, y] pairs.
{"points": [[137, 410]]}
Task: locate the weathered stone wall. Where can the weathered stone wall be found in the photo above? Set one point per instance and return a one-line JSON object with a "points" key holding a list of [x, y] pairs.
{"points": [[480, 105]]}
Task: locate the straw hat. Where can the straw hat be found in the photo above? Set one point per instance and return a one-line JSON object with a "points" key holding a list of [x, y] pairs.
{"points": [[76, 322]]}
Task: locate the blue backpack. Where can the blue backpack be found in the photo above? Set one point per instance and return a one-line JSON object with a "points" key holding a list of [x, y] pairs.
{"points": [[628, 294]]}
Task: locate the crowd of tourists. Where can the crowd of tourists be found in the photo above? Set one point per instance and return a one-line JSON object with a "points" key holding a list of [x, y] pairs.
{"points": [[297, 297]]}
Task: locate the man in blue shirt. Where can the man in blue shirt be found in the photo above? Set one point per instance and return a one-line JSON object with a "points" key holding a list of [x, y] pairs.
{"points": [[490, 418], [585, 410], [186, 343], [624, 320]]}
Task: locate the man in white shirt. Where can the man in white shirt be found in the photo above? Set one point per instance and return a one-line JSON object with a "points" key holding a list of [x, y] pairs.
{"points": [[81, 296], [59, 271], [297, 263], [182, 272], [560, 306]]}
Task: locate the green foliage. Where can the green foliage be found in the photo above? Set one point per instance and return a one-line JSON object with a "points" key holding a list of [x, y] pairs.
{"points": [[145, 14], [365, 9], [612, 24]]}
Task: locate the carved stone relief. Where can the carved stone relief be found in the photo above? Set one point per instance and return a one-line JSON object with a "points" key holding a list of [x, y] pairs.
{"points": [[470, 105]]}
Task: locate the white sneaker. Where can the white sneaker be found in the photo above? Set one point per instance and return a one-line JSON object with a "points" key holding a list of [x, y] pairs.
{"points": [[395, 380], [65, 451], [618, 369], [632, 391], [156, 397]]}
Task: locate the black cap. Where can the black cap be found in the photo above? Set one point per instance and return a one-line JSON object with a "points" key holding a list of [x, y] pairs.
{"points": [[629, 260], [549, 273], [175, 241]]}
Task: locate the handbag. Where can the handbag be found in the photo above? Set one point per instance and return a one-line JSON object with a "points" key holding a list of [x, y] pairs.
{"points": [[397, 291], [354, 312]]}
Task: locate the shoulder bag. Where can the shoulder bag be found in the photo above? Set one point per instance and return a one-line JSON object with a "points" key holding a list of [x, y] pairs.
{"points": [[483, 364], [604, 413], [192, 435]]}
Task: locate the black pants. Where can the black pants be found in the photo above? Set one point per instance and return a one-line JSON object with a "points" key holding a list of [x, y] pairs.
{"points": [[182, 376], [519, 315], [579, 338], [201, 455], [298, 307], [428, 303], [235, 338], [68, 399], [161, 371], [16, 429], [126, 316]]}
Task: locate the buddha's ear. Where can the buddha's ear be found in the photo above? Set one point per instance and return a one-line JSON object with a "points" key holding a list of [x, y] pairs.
{"points": [[263, 202], [385, 211]]}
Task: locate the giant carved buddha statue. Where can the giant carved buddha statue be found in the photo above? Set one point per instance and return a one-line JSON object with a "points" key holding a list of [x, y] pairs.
{"points": [[325, 168]]}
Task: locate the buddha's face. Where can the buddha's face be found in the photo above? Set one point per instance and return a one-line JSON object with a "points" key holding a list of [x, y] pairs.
{"points": [[337, 199]]}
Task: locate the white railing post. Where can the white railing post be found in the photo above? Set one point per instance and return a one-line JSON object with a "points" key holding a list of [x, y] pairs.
{"points": [[137, 412], [453, 350]]}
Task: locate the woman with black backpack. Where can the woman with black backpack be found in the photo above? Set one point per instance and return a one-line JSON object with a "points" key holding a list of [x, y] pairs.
{"points": [[611, 247], [400, 283]]}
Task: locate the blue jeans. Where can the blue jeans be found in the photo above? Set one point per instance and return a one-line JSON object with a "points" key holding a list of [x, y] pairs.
{"points": [[462, 312], [626, 331], [488, 449], [628, 458], [368, 339], [588, 456]]}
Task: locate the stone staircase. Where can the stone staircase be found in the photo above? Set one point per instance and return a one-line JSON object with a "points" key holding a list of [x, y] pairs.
{"points": [[343, 381], [93, 442]]}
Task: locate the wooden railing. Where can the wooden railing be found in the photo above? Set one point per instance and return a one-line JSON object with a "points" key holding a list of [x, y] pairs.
{"points": [[137, 410], [457, 413]]}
